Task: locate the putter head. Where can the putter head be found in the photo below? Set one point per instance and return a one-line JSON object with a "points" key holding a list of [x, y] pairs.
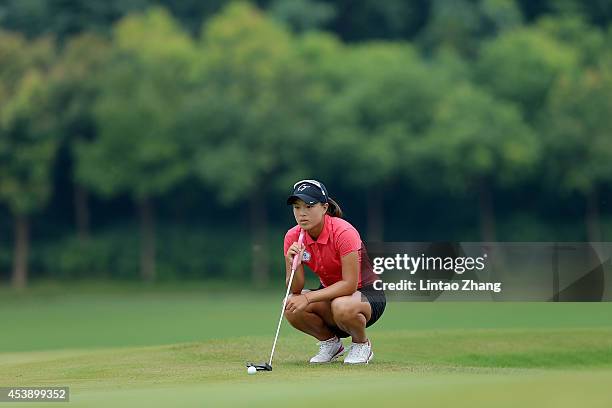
{"points": [[260, 366]]}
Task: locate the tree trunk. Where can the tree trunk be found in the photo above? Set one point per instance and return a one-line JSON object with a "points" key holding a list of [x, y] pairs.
{"points": [[20, 256], [487, 216], [592, 216], [259, 253], [81, 210], [147, 240], [376, 217]]}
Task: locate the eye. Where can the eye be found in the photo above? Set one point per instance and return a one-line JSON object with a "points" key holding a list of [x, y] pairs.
{"points": [[309, 206]]}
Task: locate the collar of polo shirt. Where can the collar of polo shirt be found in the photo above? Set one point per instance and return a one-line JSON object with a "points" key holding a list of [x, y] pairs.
{"points": [[324, 236]]}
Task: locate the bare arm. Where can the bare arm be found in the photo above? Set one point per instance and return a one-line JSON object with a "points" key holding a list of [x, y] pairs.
{"points": [[298, 278], [345, 287]]}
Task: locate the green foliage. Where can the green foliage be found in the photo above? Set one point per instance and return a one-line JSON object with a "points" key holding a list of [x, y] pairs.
{"points": [[111, 254], [184, 252], [28, 141], [137, 151], [598, 12], [76, 75], [474, 138], [453, 24], [63, 19], [154, 38], [252, 102], [384, 100], [576, 129], [255, 101], [191, 13], [75, 82], [352, 20], [302, 15], [587, 41], [362, 20], [500, 15], [461, 25], [522, 65]]}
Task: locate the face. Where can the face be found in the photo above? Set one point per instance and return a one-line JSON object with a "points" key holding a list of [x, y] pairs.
{"points": [[308, 216]]}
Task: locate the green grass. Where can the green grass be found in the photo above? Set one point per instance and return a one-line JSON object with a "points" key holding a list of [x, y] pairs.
{"points": [[187, 347]]}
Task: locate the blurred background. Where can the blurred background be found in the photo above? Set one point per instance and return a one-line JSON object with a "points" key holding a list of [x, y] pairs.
{"points": [[145, 140]]}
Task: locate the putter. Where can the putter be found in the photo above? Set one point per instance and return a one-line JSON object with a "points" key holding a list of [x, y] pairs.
{"points": [[296, 261], [260, 366]]}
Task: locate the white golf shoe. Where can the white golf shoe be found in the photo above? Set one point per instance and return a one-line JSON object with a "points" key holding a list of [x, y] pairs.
{"points": [[329, 350], [360, 353]]}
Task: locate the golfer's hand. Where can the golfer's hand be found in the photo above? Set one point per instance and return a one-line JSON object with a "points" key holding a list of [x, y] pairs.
{"points": [[296, 303], [294, 250]]}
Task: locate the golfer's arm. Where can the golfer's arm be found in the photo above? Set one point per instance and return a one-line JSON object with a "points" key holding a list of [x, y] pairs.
{"points": [[298, 277], [345, 287]]}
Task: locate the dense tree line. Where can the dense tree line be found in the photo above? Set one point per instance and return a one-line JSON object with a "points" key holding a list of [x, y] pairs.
{"points": [[468, 97], [351, 20]]}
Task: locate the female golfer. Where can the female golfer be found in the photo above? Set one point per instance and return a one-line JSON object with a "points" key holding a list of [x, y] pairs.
{"points": [[345, 303]]}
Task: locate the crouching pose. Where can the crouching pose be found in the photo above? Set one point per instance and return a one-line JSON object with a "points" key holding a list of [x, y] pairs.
{"points": [[345, 303]]}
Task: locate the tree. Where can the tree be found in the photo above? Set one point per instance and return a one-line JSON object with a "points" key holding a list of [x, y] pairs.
{"points": [[383, 99], [576, 130], [587, 41], [461, 25], [521, 66], [137, 150], [75, 81], [475, 143], [249, 108], [596, 12], [359, 20], [62, 19], [302, 15], [28, 143]]}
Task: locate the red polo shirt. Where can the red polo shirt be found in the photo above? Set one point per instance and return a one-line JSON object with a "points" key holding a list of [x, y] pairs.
{"points": [[324, 256]]}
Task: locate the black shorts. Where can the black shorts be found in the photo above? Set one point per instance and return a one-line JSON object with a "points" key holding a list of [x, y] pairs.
{"points": [[377, 301]]}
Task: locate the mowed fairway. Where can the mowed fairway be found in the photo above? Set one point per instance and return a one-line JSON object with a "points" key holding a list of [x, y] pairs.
{"points": [[187, 347]]}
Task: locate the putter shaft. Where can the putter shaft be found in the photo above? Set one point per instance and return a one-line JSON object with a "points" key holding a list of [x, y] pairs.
{"points": [[280, 320]]}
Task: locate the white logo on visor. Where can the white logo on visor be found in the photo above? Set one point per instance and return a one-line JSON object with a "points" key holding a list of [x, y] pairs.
{"points": [[306, 256], [302, 187]]}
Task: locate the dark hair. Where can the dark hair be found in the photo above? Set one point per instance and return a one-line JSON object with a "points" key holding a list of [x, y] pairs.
{"points": [[334, 209]]}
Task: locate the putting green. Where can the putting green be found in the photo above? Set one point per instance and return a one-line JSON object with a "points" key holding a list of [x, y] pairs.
{"points": [[189, 348]]}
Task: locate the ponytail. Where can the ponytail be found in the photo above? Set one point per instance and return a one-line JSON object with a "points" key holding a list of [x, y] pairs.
{"points": [[334, 209]]}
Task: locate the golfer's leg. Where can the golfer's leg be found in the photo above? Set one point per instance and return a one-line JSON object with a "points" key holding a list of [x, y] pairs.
{"points": [[313, 319], [351, 315]]}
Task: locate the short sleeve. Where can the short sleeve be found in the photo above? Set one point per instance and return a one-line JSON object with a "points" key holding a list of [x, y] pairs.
{"points": [[348, 241]]}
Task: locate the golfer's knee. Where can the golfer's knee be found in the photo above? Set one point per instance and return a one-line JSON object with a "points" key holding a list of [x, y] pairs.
{"points": [[344, 309], [292, 316], [297, 315]]}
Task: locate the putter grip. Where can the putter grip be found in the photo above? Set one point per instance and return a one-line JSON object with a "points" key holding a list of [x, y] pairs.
{"points": [[296, 260]]}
